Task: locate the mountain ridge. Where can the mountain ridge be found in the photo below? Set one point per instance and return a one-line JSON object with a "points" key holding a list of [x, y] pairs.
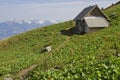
{"points": [[12, 27]]}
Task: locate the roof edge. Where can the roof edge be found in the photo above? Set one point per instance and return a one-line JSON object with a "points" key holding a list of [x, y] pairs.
{"points": [[93, 7], [91, 10]]}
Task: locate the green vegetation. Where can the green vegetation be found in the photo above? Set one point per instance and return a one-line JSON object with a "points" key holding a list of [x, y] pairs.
{"points": [[21, 51], [82, 57]]}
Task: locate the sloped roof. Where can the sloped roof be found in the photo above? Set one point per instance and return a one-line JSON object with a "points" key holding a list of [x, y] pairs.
{"points": [[96, 22], [86, 11]]}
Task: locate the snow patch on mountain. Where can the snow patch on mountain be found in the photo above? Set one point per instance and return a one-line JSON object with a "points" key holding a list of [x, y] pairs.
{"points": [[18, 21], [28, 21], [39, 21], [53, 21]]}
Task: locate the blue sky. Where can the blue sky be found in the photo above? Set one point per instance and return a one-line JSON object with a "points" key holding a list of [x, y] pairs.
{"points": [[46, 9]]}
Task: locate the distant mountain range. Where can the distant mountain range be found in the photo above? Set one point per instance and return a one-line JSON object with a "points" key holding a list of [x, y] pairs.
{"points": [[9, 28]]}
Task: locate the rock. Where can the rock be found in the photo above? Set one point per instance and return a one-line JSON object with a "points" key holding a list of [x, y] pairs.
{"points": [[118, 55], [48, 48], [8, 79]]}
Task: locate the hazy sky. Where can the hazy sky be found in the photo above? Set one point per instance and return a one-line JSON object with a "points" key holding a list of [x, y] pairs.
{"points": [[46, 9]]}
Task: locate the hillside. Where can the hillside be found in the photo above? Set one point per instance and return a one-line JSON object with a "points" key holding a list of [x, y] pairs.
{"points": [[91, 56]]}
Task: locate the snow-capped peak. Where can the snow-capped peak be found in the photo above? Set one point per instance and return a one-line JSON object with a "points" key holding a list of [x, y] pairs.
{"points": [[16, 26], [53, 21], [28, 21], [39, 21], [18, 21]]}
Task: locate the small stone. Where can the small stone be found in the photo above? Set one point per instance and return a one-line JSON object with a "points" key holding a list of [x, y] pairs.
{"points": [[8, 79], [118, 55], [48, 48]]}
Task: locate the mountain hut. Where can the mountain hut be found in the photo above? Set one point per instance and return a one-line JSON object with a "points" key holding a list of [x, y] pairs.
{"points": [[91, 17]]}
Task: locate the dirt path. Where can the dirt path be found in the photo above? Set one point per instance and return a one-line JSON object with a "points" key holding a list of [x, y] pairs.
{"points": [[22, 73]]}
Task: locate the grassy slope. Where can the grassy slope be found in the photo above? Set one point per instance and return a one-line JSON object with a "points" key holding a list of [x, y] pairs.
{"points": [[87, 56], [21, 51], [90, 56]]}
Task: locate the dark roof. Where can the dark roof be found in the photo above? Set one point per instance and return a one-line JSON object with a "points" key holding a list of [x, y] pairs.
{"points": [[86, 11]]}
